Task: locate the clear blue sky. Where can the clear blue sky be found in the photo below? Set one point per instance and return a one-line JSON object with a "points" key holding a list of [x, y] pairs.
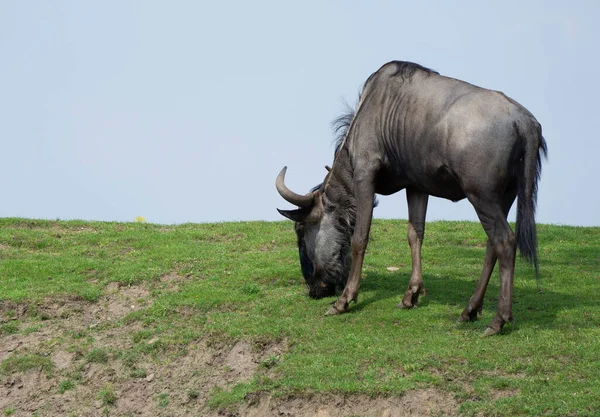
{"points": [[185, 111]]}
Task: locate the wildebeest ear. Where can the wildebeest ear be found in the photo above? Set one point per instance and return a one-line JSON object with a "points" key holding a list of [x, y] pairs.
{"points": [[310, 214], [299, 215]]}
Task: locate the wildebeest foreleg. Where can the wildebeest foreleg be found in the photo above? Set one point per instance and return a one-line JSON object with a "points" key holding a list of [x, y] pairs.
{"points": [[417, 208], [365, 193]]}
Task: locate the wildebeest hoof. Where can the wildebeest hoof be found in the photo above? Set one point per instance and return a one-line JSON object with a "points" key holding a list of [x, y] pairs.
{"points": [[411, 297], [490, 332], [467, 316], [333, 311]]}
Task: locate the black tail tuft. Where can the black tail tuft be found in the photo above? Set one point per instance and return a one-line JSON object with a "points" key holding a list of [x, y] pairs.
{"points": [[533, 147]]}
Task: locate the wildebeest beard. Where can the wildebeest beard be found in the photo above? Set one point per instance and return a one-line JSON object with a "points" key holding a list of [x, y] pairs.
{"points": [[329, 275]]}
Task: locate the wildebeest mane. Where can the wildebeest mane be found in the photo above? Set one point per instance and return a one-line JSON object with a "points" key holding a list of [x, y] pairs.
{"points": [[407, 69], [341, 124]]}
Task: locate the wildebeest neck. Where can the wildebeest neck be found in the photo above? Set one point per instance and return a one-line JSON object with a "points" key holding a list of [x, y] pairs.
{"points": [[339, 186]]}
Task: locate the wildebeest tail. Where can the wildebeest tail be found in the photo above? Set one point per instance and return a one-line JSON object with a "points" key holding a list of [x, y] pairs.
{"points": [[532, 147]]}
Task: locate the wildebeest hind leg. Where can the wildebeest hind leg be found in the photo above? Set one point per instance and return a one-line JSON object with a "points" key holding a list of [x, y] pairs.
{"points": [[492, 215], [475, 305], [417, 209]]}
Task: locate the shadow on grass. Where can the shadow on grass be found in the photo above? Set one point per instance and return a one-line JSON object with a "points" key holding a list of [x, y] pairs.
{"points": [[531, 308], [569, 280]]}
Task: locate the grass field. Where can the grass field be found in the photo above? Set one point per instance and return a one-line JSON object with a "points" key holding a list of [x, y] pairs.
{"points": [[201, 319]]}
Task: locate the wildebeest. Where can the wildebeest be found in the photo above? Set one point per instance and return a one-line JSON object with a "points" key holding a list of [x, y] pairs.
{"points": [[417, 130]]}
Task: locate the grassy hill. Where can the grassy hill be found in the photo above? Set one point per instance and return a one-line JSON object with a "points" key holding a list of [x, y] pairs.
{"points": [[127, 318]]}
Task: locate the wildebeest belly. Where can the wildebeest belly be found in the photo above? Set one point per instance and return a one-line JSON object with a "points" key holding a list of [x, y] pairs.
{"points": [[439, 183]]}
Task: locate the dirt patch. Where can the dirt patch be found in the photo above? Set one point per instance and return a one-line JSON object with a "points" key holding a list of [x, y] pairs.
{"points": [[267, 247], [52, 320], [428, 402], [62, 360], [120, 301], [505, 393], [54, 226], [11, 311], [226, 237], [240, 362], [172, 282], [116, 303], [182, 387], [29, 390], [118, 381]]}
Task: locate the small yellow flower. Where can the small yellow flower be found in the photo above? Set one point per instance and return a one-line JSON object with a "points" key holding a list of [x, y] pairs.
{"points": [[140, 219]]}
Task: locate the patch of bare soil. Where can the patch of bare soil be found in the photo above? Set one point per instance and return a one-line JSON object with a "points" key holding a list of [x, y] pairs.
{"points": [[172, 281], [416, 403], [505, 393], [172, 384]]}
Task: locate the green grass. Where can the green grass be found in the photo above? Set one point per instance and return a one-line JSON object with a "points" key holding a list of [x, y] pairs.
{"points": [[97, 356], [243, 282], [107, 395], [9, 328], [24, 363], [163, 400], [65, 386]]}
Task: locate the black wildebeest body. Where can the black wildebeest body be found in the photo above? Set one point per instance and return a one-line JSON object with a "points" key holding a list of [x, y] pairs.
{"points": [[414, 129]]}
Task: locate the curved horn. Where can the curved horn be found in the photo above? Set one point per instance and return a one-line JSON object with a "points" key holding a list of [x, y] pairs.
{"points": [[290, 196]]}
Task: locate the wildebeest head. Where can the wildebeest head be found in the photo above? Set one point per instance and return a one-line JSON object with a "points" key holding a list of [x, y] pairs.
{"points": [[324, 230]]}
